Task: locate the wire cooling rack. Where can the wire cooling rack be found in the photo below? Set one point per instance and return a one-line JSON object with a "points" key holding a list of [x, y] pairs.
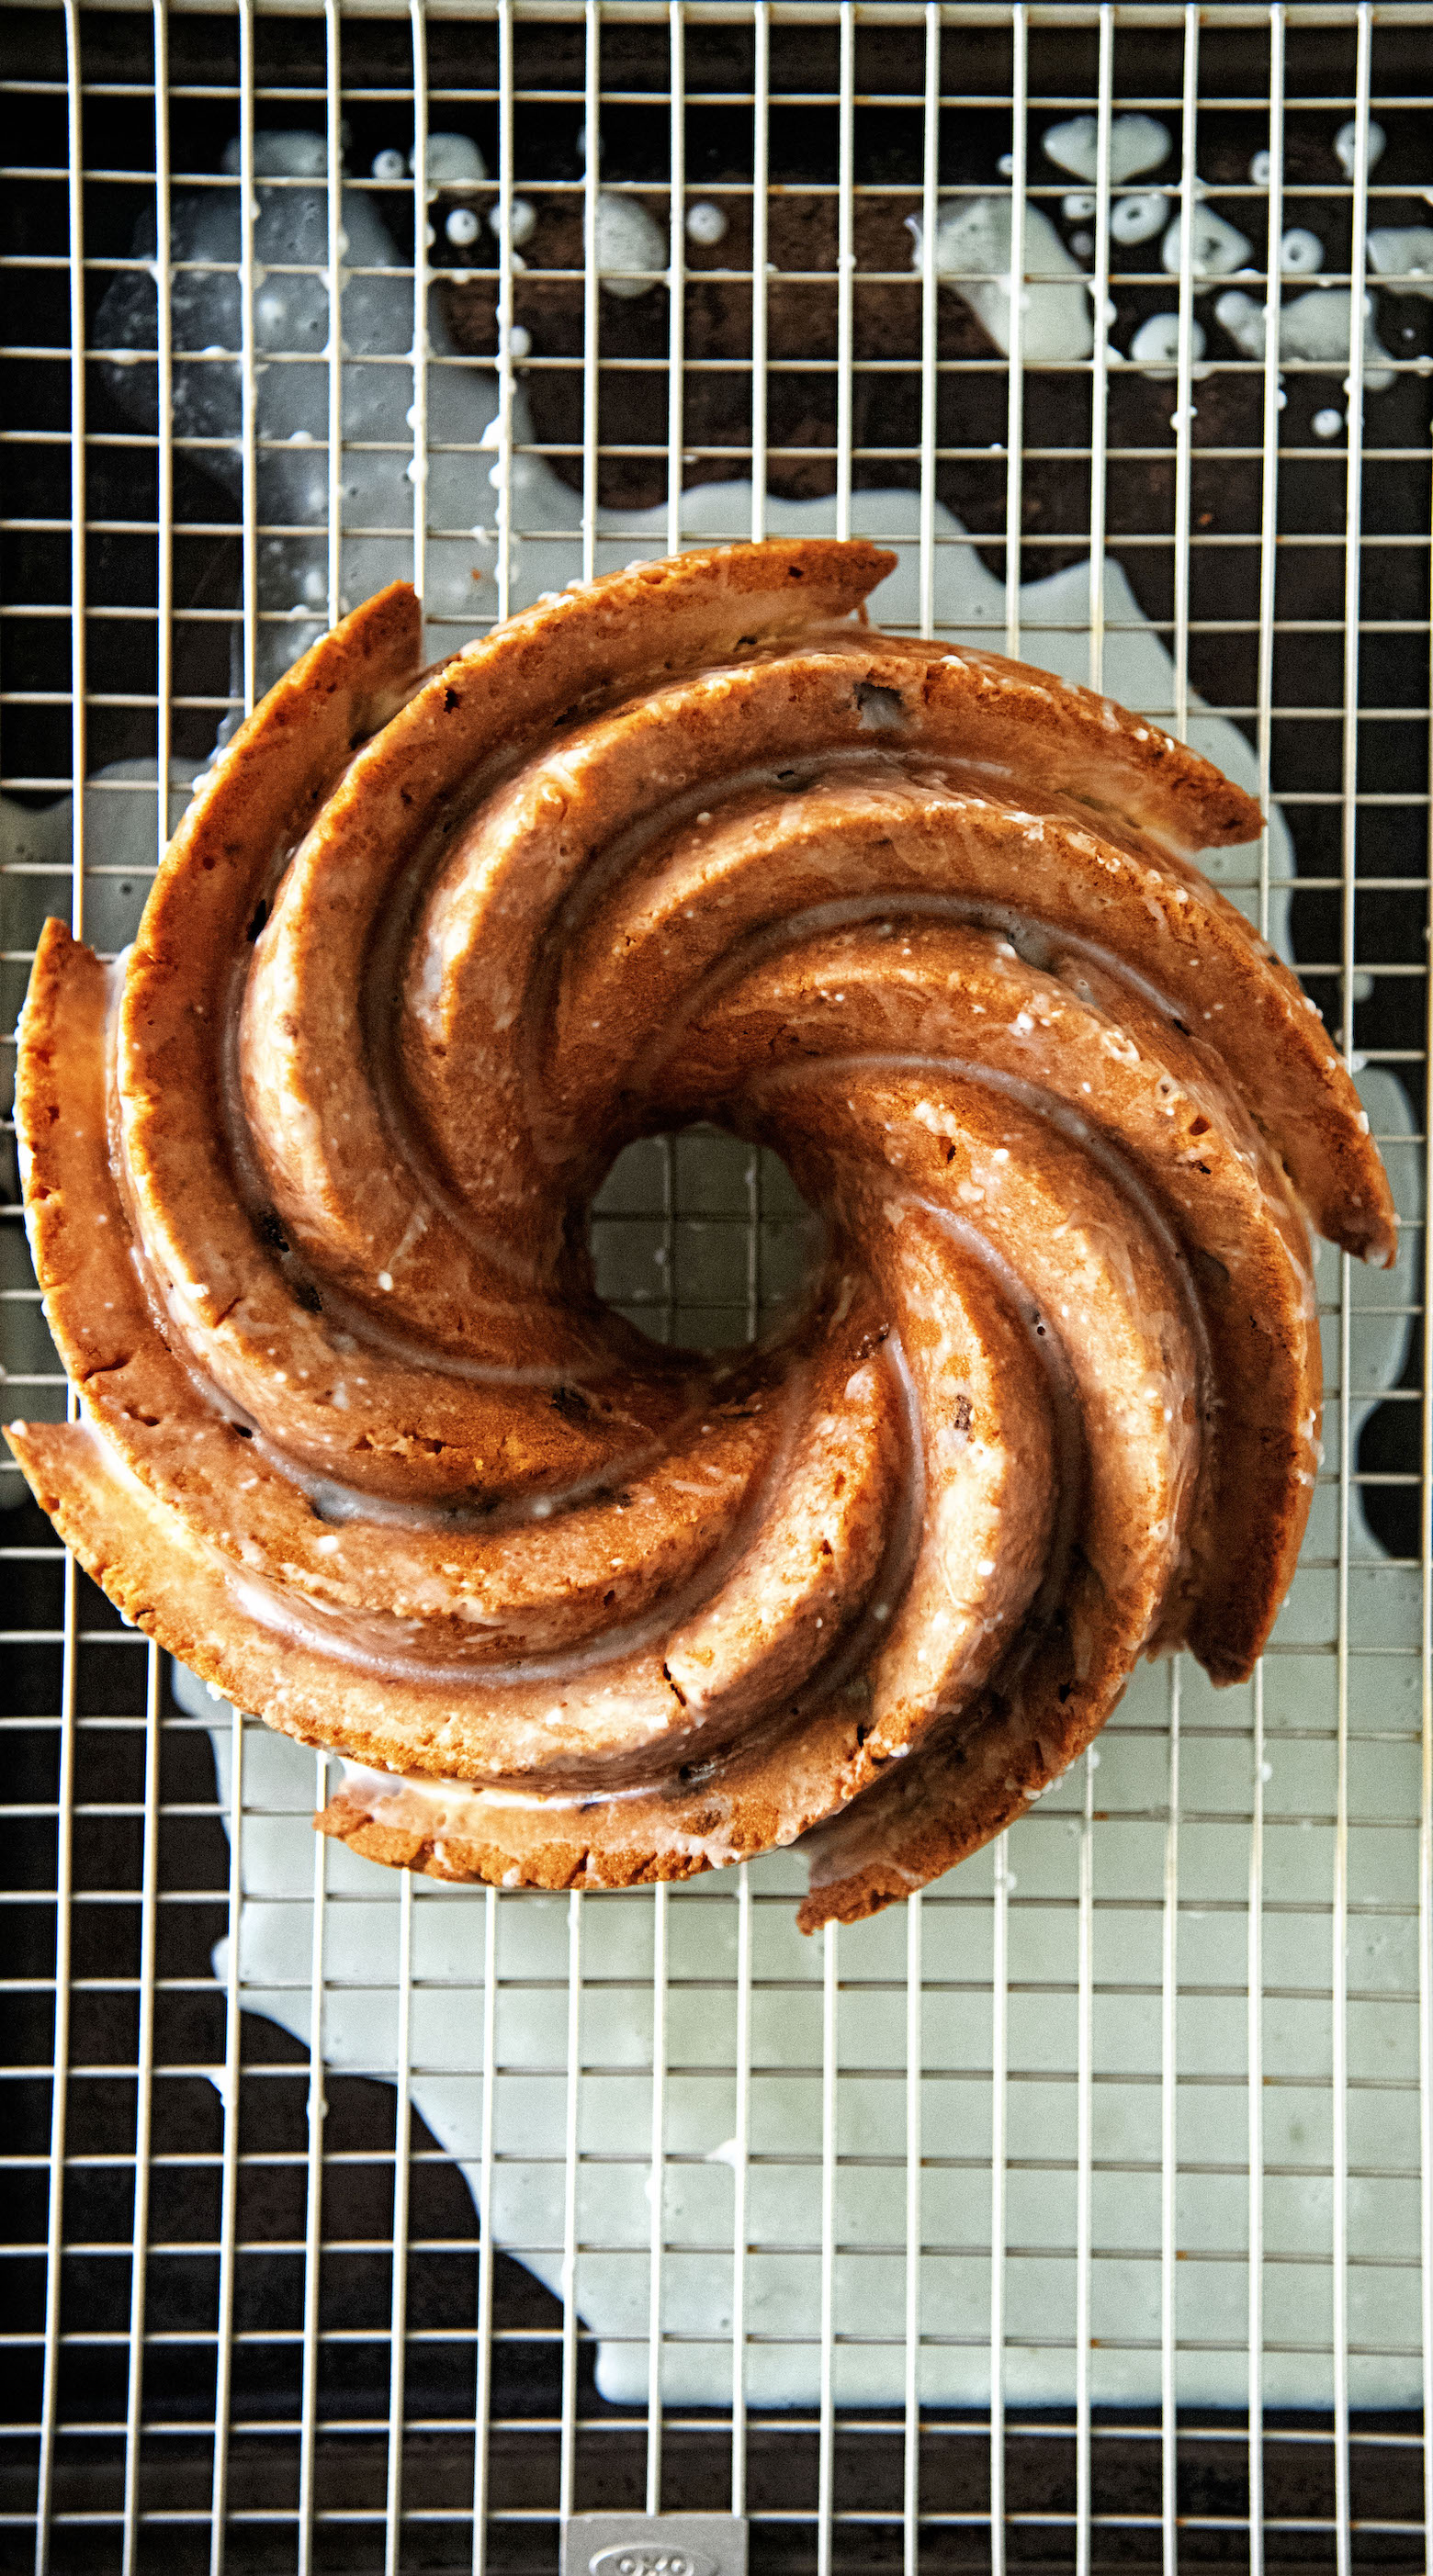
{"points": [[1078, 2215]]}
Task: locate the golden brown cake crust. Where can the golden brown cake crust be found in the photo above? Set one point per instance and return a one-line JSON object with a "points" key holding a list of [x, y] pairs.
{"points": [[304, 1177]]}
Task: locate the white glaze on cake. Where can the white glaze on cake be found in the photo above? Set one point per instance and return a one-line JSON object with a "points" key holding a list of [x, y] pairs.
{"points": [[362, 1448]]}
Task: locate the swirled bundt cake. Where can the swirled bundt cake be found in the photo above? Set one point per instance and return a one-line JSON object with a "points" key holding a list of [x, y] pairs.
{"points": [[306, 1171]]}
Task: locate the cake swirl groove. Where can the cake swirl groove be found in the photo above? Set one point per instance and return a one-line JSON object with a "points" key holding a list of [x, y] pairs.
{"points": [[305, 1174]]}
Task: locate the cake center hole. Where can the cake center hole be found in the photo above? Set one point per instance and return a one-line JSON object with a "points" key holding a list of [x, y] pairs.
{"points": [[701, 1239]]}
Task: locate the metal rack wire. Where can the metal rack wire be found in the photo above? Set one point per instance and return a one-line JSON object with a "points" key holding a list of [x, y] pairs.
{"points": [[1081, 2215]]}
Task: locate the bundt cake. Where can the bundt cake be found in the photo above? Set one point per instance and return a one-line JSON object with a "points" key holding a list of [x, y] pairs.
{"points": [[306, 1175]]}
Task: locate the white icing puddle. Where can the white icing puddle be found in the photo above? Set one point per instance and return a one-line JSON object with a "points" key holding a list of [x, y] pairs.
{"points": [[1129, 1840]]}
